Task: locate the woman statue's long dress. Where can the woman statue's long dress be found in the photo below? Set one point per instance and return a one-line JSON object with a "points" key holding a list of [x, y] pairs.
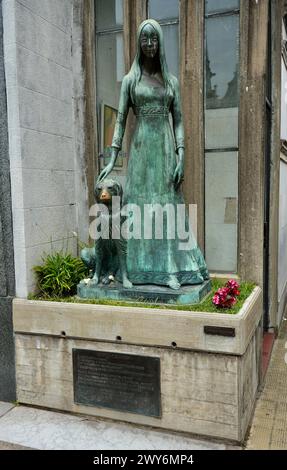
{"points": [[155, 167]]}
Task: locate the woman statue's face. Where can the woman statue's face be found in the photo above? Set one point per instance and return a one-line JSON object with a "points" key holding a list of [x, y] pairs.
{"points": [[149, 41]]}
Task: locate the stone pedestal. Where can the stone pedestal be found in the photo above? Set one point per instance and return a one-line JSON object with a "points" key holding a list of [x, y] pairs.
{"points": [[146, 293], [193, 372]]}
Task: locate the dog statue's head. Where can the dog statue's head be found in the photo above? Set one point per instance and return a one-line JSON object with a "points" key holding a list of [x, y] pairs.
{"points": [[106, 189]]}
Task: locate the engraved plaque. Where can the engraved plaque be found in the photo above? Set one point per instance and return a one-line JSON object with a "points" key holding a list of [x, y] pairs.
{"points": [[219, 330], [123, 382]]}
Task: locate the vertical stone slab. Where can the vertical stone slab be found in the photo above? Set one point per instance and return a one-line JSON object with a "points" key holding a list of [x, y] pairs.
{"points": [[7, 278], [192, 88], [7, 356], [253, 30]]}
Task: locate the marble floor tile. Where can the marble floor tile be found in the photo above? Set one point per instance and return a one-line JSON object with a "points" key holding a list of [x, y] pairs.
{"points": [[42, 429], [5, 407]]}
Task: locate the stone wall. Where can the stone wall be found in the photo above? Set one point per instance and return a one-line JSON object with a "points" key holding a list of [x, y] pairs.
{"points": [[7, 284], [47, 168]]}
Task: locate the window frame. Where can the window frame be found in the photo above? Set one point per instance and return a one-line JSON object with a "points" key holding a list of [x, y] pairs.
{"points": [[99, 106], [228, 12]]}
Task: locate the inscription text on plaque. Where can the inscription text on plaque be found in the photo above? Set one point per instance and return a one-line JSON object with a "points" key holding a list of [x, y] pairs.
{"points": [[123, 382]]}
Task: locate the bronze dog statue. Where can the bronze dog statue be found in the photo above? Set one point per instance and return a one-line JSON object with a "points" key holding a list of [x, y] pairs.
{"points": [[108, 256]]}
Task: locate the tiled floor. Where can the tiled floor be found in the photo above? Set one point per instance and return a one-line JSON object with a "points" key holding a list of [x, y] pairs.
{"points": [[268, 341], [269, 426], [4, 408]]}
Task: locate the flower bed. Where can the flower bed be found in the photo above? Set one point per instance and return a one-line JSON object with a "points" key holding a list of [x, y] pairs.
{"points": [[210, 364], [205, 306]]}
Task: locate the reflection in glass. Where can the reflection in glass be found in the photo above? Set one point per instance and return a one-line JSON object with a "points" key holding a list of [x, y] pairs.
{"points": [[163, 9], [221, 132], [221, 128], [222, 62], [171, 43], [221, 205], [110, 72], [109, 14], [110, 68], [214, 6]]}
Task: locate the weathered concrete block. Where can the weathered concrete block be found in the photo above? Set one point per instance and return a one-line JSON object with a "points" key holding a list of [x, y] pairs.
{"points": [[46, 151], [44, 76], [48, 188], [10, 65], [40, 81], [188, 404], [41, 37], [57, 13], [48, 224], [45, 114], [8, 11], [208, 382]]}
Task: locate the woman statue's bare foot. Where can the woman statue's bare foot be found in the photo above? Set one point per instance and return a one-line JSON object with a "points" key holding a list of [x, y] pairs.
{"points": [[173, 282]]}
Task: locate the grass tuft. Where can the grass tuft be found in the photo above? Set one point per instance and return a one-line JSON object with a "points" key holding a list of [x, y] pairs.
{"points": [[205, 306]]}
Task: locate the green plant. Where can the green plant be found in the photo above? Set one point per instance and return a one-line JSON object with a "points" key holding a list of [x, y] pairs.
{"points": [[59, 274]]}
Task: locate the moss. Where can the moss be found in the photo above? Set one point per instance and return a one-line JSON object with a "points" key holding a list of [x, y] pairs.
{"points": [[205, 306]]}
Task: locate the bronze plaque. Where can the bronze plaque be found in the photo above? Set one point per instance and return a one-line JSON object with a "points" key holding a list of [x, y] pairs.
{"points": [[219, 330], [123, 382]]}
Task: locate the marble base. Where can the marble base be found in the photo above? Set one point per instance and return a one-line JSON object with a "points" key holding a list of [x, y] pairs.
{"points": [[146, 293]]}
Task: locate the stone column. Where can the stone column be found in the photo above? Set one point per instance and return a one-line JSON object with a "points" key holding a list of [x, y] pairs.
{"points": [[7, 276]]}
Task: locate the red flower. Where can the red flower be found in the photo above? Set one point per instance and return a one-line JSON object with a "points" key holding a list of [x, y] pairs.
{"points": [[233, 287], [225, 297]]}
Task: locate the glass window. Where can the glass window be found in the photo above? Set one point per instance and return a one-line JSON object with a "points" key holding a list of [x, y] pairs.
{"points": [[221, 201], [218, 6], [222, 61], [166, 12], [110, 71], [109, 14], [221, 135], [163, 9], [171, 40], [221, 128], [110, 68]]}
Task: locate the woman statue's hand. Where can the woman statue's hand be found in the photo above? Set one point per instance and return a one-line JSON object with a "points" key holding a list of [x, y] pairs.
{"points": [[108, 168], [105, 172], [179, 170]]}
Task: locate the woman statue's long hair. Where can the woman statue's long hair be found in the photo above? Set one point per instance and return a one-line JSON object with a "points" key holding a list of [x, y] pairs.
{"points": [[136, 68]]}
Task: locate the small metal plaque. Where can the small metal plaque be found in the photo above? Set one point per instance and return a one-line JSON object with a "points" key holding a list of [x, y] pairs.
{"points": [[219, 330], [123, 382]]}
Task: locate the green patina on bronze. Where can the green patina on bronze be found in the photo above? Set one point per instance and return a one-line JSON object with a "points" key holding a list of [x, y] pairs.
{"points": [[156, 161]]}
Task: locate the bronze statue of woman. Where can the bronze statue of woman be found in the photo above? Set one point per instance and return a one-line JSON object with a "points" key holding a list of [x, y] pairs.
{"points": [[156, 163]]}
